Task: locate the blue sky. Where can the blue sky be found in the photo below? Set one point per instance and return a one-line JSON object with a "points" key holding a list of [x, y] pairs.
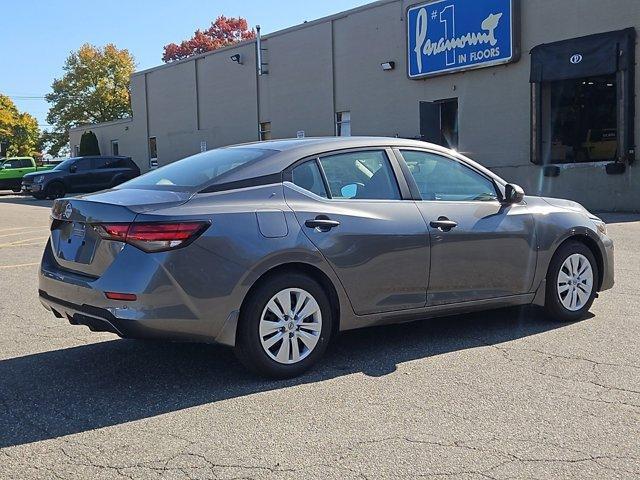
{"points": [[37, 36]]}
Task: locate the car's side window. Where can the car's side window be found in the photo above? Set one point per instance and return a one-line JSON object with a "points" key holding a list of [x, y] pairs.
{"points": [[83, 165], [360, 175], [445, 179], [101, 163], [307, 175]]}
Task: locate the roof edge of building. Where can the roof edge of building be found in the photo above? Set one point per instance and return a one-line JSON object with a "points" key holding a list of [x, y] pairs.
{"points": [[102, 124], [277, 33]]}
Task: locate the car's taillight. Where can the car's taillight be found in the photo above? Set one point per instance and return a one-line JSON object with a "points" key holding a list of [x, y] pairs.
{"points": [[153, 237]]}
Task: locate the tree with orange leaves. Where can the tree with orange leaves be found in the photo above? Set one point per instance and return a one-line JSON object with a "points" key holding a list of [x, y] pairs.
{"points": [[224, 31]]}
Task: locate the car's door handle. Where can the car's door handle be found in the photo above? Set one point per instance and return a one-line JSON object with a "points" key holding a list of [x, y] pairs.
{"points": [[443, 224], [322, 223]]}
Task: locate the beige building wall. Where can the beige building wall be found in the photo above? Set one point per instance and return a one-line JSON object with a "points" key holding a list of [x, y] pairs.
{"points": [[333, 64]]}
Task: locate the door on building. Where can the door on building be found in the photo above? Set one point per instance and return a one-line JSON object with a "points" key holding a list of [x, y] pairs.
{"points": [[582, 99], [497, 239], [439, 122], [375, 241]]}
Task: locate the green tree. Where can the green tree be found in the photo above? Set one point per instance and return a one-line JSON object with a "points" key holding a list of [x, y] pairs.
{"points": [[93, 89], [89, 144], [19, 130]]}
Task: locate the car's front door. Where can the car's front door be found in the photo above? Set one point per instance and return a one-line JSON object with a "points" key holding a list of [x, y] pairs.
{"points": [[480, 248], [350, 206]]}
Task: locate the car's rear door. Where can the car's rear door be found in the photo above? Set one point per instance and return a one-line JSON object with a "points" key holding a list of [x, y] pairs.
{"points": [[351, 206], [480, 248], [103, 172]]}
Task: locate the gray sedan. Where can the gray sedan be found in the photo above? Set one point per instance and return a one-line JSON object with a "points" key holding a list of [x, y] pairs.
{"points": [[275, 247]]}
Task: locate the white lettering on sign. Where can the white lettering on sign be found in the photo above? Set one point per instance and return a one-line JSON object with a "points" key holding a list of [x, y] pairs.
{"points": [[425, 46]]}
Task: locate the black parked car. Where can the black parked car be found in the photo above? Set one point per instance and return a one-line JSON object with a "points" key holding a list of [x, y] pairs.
{"points": [[80, 174]]}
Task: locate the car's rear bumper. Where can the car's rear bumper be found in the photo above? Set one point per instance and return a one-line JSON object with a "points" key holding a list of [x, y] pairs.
{"points": [[157, 314], [97, 319]]}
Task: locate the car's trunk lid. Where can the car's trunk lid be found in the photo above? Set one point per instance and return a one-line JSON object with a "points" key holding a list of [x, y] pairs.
{"points": [[75, 236]]}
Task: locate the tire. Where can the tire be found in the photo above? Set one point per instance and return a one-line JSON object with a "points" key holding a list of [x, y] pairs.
{"points": [[55, 190], [39, 196], [16, 190], [571, 283], [261, 336]]}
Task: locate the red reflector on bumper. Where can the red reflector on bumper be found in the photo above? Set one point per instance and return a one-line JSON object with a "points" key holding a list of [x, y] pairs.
{"points": [[127, 297]]}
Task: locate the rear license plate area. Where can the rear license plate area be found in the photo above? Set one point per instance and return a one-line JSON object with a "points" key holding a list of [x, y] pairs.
{"points": [[73, 242]]}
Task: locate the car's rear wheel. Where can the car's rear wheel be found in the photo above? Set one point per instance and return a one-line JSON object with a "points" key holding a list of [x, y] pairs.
{"points": [[284, 326], [571, 282], [55, 190], [16, 189], [39, 196]]}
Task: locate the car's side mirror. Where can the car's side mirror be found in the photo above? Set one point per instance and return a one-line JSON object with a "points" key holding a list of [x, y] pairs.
{"points": [[349, 191], [73, 169], [513, 193]]}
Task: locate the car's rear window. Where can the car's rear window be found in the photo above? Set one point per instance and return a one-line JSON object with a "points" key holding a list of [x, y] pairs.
{"points": [[200, 170]]}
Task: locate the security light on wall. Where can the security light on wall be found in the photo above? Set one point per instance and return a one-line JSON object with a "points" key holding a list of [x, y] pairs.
{"points": [[387, 66], [236, 58]]}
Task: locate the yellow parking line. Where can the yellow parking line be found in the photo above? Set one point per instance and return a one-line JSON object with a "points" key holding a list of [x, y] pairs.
{"points": [[19, 228], [20, 265], [13, 234], [21, 243]]}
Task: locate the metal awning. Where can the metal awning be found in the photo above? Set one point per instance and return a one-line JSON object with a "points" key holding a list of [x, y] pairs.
{"points": [[593, 55]]}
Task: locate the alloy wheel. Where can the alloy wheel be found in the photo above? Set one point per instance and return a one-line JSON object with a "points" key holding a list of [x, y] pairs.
{"points": [[290, 326], [575, 282]]}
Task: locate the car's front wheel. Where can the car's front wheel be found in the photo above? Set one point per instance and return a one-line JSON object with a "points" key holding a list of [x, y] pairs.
{"points": [[55, 190], [571, 282], [284, 326]]}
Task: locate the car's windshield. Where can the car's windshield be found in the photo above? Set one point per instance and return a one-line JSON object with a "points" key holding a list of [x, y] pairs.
{"points": [[202, 169], [64, 165]]}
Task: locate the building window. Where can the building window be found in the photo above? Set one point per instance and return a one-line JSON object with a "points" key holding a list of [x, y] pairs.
{"points": [[343, 124], [153, 153], [76, 150], [265, 131], [153, 148], [115, 148], [439, 122]]}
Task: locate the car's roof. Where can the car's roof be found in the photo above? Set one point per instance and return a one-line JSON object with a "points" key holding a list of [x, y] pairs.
{"points": [[287, 151], [332, 143], [96, 156]]}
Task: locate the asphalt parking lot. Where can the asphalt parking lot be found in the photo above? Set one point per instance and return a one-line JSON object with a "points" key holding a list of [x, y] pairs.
{"points": [[502, 394]]}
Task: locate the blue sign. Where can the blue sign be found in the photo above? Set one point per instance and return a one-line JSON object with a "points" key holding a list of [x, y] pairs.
{"points": [[452, 35]]}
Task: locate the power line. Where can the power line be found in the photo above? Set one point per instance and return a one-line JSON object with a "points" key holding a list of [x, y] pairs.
{"points": [[25, 97]]}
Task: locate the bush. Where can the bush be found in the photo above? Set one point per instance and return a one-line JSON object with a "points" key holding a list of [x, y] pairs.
{"points": [[89, 144]]}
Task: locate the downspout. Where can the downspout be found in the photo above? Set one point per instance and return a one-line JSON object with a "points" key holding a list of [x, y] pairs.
{"points": [[258, 75]]}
